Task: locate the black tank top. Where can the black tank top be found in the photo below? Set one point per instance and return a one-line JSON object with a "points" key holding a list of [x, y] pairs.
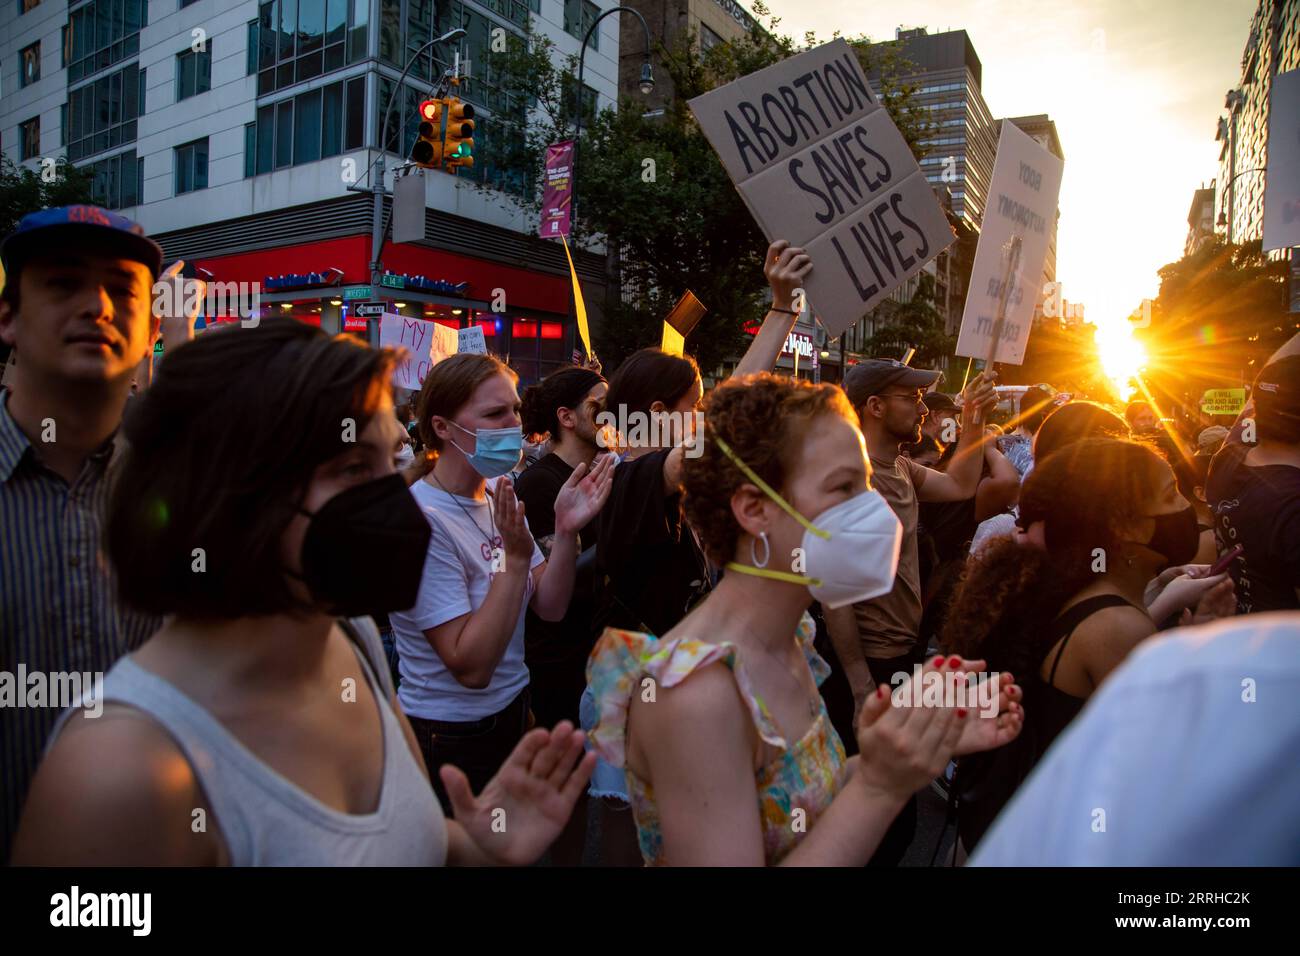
{"points": [[986, 781]]}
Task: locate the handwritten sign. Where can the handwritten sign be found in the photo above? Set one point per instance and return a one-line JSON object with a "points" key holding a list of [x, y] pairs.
{"points": [[472, 340], [1022, 202], [427, 344], [818, 161]]}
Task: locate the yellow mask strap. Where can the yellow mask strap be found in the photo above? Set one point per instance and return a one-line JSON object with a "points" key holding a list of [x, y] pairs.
{"points": [[775, 575], [771, 493]]}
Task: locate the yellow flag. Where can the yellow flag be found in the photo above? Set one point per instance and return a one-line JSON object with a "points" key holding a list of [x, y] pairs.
{"points": [[581, 307], [673, 341]]}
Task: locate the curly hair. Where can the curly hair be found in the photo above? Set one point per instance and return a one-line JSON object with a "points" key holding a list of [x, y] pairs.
{"points": [[1008, 593], [763, 418]]}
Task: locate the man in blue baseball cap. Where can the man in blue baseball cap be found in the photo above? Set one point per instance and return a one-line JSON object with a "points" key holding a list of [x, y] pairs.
{"points": [[76, 309]]}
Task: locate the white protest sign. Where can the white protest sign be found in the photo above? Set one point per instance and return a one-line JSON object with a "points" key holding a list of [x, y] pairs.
{"points": [[1282, 181], [818, 161], [427, 342], [472, 340], [1022, 202]]}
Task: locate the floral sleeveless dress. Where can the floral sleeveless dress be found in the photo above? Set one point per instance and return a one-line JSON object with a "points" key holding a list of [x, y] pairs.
{"points": [[805, 776]]}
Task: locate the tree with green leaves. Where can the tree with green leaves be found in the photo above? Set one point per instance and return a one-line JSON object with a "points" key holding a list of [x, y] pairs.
{"points": [[916, 324], [653, 189], [23, 190], [1220, 313]]}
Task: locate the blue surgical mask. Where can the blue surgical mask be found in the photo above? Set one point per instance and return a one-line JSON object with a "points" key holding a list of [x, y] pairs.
{"points": [[496, 450]]}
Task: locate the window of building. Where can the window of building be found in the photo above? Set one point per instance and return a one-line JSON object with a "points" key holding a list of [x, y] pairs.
{"points": [[30, 57], [311, 126], [708, 39], [30, 134], [186, 3], [104, 32], [193, 72], [117, 182], [25, 5], [297, 40], [65, 46], [102, 114], [579, 15], [192, 166], [589, 100]]}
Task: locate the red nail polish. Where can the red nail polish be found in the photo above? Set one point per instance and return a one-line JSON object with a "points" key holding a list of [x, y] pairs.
{"points": [[938, 661], [880, 692], [954, 661], [961, 711]]}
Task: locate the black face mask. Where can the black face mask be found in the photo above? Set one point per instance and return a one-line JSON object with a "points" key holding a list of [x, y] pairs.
{"points": [[1176, 536], [364, 549]]}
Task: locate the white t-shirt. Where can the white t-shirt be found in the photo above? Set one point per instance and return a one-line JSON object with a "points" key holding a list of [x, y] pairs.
{"points": [[457, 573], [1185, 756]]}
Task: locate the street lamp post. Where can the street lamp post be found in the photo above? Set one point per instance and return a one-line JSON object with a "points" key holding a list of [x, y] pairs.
{"points": [[647, 86], [377, 173], [647, 79], [1224, 218]]}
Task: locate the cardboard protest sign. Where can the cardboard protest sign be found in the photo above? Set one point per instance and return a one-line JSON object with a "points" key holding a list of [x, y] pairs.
{"points": [[1021, 204], [1282, 181], [1223, 401], [427, 343], [818, 161], [471, 340], [679, 323]]}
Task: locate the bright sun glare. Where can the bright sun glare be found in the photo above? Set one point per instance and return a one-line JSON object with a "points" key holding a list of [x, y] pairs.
{"points": [[1122, 356]]}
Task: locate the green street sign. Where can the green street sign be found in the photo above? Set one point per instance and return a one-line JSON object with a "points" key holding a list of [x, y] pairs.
{"points": [[357, 292], [393, 282], [1223, 401]]}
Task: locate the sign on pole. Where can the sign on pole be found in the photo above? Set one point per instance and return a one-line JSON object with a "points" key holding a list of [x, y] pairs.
{"points": [[818, 161], [427, 342], [408, 207], [557, 191], [1007, 276], [1282, 180]]}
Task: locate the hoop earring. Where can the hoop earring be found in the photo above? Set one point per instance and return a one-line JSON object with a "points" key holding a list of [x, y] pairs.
{"points": [[767, 550]]}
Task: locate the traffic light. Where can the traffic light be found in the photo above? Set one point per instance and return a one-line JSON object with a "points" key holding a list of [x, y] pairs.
{"points": [[426, 151], [458, 146]]}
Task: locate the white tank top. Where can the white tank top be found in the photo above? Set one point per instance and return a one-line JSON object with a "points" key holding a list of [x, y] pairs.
{"points": [[263, 818]]}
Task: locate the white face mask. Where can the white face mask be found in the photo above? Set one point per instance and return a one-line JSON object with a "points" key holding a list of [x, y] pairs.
{"points": [[850, 550], [405, 454]]}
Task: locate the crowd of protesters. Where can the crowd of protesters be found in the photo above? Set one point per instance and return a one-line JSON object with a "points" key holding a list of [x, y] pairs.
{"points": [[342, 627]]}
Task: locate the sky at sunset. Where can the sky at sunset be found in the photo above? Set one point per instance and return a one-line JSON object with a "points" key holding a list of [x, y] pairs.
{"points": [[1135, 88]]}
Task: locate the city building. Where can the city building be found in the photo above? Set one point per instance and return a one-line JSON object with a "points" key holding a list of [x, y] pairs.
{"points": [[1200, 219], [670, 21], [959, 152], [1273, 47], [232, 132]]}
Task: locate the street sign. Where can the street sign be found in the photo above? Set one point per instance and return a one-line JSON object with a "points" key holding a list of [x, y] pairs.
{"points": [[393, 282], [368, 308], [357, 292]]}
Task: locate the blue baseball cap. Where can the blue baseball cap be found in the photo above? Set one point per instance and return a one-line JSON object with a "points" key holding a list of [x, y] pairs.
{"points": [[68, 230]]}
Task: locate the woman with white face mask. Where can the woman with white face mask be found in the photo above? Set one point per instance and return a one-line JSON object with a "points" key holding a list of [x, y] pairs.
{"points": [[730, 755], [461, 646]]}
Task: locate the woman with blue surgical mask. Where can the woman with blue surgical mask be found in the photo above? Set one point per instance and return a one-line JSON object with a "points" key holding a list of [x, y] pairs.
{"points": [[730, 755], [464, 684]]}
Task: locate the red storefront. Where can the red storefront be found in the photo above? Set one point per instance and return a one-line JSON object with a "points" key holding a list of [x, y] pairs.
{"points": [[524, 313]]}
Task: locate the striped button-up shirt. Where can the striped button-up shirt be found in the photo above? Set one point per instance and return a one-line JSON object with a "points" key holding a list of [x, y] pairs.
{"points": [[59, 611]]}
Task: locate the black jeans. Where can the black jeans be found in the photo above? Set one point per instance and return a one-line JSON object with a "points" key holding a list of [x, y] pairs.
{"points": [[477, 747]]}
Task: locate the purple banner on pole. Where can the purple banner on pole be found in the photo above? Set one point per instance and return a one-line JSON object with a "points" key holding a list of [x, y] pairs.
{"points": [[557, 191]]}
